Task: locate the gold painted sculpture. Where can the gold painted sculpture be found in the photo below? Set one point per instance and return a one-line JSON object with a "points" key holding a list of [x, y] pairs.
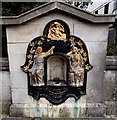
{"points": [[37, 71], [56, 32], [76, 74]]}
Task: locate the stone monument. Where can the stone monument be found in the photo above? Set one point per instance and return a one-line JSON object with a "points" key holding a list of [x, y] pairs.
{"points": [[49, 50]]}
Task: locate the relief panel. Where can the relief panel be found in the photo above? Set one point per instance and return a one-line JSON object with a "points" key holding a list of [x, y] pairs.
{"points": [[56, 64]]}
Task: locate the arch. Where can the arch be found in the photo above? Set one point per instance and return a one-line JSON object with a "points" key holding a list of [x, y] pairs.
{"points": [[56, 70]]}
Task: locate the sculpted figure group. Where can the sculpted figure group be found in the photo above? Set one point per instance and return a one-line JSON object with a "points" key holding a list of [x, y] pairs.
{"points": [[76, 74], [56, 64], [56, 32]]}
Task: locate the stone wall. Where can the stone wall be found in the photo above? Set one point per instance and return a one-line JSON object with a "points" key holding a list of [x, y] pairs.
{"points": [[108, 107], [110, 86], [5, 87]]}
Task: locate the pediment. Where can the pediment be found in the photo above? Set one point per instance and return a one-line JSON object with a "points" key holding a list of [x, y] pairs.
{"points": [[57, 7]]}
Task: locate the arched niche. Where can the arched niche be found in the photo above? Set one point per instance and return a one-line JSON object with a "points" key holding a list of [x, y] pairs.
{"points": [[56, 70]]}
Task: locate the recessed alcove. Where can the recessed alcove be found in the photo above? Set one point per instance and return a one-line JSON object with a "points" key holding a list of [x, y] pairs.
{"points": [[57, 70]]}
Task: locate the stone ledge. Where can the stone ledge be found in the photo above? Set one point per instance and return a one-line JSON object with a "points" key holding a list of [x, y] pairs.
{"points": [[4, 64], [111, 62]]}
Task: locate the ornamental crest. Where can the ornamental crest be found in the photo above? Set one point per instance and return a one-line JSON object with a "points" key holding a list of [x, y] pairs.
{"points": [[56, 64]]}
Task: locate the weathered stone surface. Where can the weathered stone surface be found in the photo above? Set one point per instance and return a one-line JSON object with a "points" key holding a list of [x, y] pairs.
{"points": [[95, 78], [0, 92], [95, 87], [17, 111], [15, 61], [100, 47], [20, 48], [111, 107], [25, 33], [70, 109], [110, 86], [5, 106], [98, 60], [95, 33], [20, 96], [5, 78], [0, 107], [16, 82], [5, 92], [95, 110]]}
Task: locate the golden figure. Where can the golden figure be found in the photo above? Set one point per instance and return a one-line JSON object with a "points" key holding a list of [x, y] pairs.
{"points": [[37, 71], [56, 32], [77, 67]]}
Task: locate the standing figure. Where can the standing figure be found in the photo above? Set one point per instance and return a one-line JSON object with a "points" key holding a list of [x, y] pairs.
{"points": [[76, 74], [37, 71]]}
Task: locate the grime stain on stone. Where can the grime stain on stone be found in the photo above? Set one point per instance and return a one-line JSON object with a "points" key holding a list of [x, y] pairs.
{"points": [[64, 112], [37, 110], [76, 108], [51, 110]]}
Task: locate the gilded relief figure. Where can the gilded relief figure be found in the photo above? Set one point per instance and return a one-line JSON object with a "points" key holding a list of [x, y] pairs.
{"points": [[56, 73], [76, 74], [56, 32], [37, 71]]}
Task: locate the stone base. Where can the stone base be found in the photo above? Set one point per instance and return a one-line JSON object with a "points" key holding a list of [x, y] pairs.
{"points": [[106, 109], [111, 108], [71, 108], [95, 110]]}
